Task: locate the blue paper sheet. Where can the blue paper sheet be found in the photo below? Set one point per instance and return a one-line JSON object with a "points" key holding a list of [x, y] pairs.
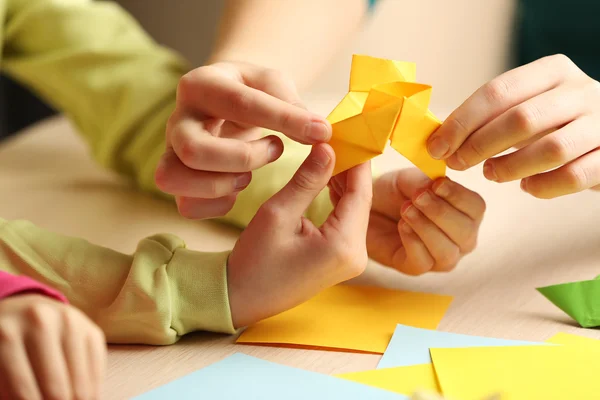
{"points": [[243, 377], [410, 346]]}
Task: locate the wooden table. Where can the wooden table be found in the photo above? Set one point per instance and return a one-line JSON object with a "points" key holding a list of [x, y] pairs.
{"points": [[524, 243]]}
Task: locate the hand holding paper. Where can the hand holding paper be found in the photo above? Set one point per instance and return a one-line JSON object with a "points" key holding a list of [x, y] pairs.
{"points": [[417, 226], [384, 104]]}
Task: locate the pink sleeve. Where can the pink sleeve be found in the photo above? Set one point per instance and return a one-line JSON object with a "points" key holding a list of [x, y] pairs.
{"points": [[12, 284]]}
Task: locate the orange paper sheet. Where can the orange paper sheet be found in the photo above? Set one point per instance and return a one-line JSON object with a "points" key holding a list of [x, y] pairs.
{"points": [[383, 105], [349, 317], [519, 372], [403, 380]]}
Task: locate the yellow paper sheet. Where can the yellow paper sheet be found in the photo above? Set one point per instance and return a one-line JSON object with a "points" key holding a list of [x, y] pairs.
{"points": [[384, 105], [573, 340], [403, 380], [518, 372], [349, 317]]}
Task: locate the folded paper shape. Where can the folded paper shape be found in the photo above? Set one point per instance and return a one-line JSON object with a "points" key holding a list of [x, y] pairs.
{"points": [[345, 317], [411, 345], [403, 380], [383, 105], [518, 372], [580, 300], [244, 377]]}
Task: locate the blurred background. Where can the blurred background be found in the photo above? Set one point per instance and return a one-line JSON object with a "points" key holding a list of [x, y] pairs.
{"points": [[475, 47]]}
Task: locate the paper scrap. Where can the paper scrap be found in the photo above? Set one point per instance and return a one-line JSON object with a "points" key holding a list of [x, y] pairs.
{"points": [[410, 345], [384, 104], [349, 317], [519, 372], [580, 300], [403, 380], [573, 340], [243, 377]]}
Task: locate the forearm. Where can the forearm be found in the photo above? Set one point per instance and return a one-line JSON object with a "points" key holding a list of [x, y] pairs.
{"points": [[154, 296], [298, 37]]}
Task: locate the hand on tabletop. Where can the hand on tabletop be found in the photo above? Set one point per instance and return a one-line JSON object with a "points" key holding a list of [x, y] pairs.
{"points": [[48, 350], [214, 138], [548, 109], [417, 225], [282, 259]]}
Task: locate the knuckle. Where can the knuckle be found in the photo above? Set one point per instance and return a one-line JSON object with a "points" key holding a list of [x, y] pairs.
{"points": [[57, 391], [496, 90], [188, 81], [475, 147], [457, 126], [40, 315], [576, 177], [240, 102], [8, 334], [285, 119], [469, 245], [448, 260], [558, 149], [189, 150], [274, 76], [525, 118], [420, 267], [305, 181], [246, 156], [561, 60], [271, 213]]}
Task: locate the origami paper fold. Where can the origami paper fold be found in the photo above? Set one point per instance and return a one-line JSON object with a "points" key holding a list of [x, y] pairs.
{"points": [[383, 105], [580, 300]]}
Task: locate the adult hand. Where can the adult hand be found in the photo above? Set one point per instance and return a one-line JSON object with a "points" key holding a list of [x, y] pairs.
{"points": [[549, 109]]}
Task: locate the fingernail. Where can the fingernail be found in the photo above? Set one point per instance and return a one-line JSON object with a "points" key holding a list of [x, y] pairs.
{"points": [[321, 158], [442, 189], [490, 172], [317, 131], [242, 181], [457, 162], [438, 148], [406, 228], [423, 199], [410, 212], [524, 185], [274, 150]]}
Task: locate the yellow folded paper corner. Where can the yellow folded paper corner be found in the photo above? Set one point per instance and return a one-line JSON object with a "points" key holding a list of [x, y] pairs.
{"points": [[384, 104]]}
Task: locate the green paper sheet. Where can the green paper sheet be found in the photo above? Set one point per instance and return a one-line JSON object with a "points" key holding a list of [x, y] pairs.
{"points": [[580, 300]]}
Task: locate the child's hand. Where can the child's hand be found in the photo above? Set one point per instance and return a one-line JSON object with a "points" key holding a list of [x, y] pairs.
{"points": [[282, 259], [213, 143], [418, 226], [48, 350], [549, 108]]}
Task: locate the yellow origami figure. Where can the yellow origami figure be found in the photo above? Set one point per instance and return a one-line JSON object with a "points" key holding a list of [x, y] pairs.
{"points": [[384, 104]]}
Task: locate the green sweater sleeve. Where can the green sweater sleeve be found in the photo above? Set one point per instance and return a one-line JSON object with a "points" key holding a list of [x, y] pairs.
{"points": [[92, 61], [154, 296]]}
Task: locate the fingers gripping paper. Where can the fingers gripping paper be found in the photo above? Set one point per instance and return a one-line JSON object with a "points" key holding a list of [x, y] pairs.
{"points": [[383, 105]]}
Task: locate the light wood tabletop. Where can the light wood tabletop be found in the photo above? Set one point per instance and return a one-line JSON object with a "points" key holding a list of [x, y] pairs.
{"points": [[48, 177]]}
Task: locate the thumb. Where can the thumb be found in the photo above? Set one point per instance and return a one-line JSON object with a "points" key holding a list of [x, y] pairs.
{"points": [[310, 179]]}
